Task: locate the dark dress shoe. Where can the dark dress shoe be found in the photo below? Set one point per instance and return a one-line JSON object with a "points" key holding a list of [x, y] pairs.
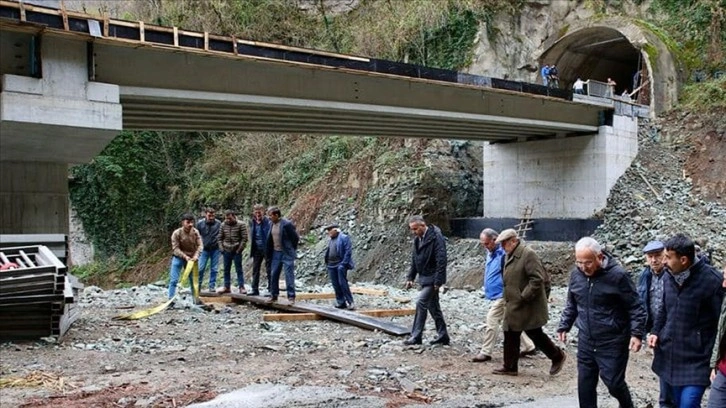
{"points": [[558, 364], [504, 371], [411, 342], [445, 340], [338, 306], [481, 358], [528, 353]]}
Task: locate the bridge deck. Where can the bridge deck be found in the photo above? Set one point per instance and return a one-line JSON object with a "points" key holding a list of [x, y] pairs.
{"points": [[173, 79]]}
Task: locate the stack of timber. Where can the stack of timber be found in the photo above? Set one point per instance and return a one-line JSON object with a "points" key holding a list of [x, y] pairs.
{"points": [[37, 297]]}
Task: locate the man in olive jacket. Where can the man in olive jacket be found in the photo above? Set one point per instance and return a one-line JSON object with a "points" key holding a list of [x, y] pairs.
{"points": [[526, 309], [429, 263]]}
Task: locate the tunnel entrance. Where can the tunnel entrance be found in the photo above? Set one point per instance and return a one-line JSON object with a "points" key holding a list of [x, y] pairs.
{"points": [[599, 53]]}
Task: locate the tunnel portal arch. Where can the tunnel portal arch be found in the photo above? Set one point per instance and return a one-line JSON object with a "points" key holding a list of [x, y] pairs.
{"points": [[617, 50]]}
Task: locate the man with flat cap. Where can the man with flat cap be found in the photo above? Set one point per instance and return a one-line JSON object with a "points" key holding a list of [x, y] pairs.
{"points": [[339, 260], [526, 304], [650, 290]]}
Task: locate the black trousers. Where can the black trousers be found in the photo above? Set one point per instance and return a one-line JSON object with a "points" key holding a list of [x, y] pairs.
{"points": [[539, 338], [428, 302], [257, 257], [608, 360]]}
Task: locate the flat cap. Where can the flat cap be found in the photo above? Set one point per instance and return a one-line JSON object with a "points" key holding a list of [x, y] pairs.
{"points": [[331, 226], [505, 235], [653, 246]]}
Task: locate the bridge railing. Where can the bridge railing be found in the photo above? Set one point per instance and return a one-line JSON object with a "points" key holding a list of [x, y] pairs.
{"points": [[599, 89]]}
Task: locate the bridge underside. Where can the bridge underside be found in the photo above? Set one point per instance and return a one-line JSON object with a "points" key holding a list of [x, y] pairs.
{"points": [[164, 109]]}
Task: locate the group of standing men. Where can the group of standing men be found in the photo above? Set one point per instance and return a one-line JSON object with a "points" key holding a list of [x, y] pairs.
{"points": [[273, 240], [678, 301]]}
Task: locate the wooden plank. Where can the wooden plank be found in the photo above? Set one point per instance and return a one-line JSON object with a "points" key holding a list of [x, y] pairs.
{"points": [[289, 317], [344, 316], [388, 312], [310, 296], [368, 291], [284, 317]]}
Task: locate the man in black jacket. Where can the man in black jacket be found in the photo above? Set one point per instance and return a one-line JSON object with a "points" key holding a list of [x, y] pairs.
{"points": [[603, 304], [429, 263]]}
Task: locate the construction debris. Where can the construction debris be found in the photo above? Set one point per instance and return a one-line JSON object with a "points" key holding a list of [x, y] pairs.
{"points": [[345, 316], [37, 296]]}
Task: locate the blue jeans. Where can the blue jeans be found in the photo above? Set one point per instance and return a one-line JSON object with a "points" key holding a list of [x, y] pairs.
{"points": [[228, 257], [177, 266], [687, 396], [213, 257], [717, 398], [339, 279], [280, 260]]}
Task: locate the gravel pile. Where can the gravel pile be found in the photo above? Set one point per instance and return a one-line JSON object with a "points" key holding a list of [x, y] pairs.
{"points": [[653, 200]]}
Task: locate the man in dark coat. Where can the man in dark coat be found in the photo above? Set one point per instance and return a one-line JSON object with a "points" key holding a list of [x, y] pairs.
{"points": [[526, 307], [259, 229], [684, 332], [208, 228], [603, 304], [282, 244], [650, 290], [429, 264]]}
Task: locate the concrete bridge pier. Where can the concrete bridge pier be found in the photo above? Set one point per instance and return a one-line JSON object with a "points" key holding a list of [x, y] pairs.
{"points": [[563, 178], [48, 122]]}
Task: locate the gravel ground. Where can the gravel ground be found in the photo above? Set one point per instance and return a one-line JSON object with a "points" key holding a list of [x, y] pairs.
{"points": [[186, 355]]}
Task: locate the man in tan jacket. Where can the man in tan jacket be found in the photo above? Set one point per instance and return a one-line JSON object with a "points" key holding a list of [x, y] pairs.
{"points": [[526, 304], [186, 245]]}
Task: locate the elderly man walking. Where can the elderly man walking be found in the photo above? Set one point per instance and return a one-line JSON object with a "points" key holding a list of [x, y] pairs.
{"points": [[494, 291], [429, 264], [603, 304], [526, 308], [685, 330]]}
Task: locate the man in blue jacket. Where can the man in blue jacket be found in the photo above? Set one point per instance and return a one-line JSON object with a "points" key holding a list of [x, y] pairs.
{"points": [[603, 304], [545, 73], [209, 230], [684, 331], [650, 290], [429, 264], [259, 229], [339, 260], [281, 248]]}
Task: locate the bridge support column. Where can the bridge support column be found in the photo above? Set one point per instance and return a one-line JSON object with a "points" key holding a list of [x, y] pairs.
{"points": [[46, 124], [560, 178], [34, 198]]}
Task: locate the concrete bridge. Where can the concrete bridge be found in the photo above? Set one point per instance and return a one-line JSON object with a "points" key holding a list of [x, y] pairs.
{"points": [[71, 82]]}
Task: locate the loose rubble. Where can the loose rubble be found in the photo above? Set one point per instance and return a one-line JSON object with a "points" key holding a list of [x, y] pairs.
{"points": [[186, 350]]}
